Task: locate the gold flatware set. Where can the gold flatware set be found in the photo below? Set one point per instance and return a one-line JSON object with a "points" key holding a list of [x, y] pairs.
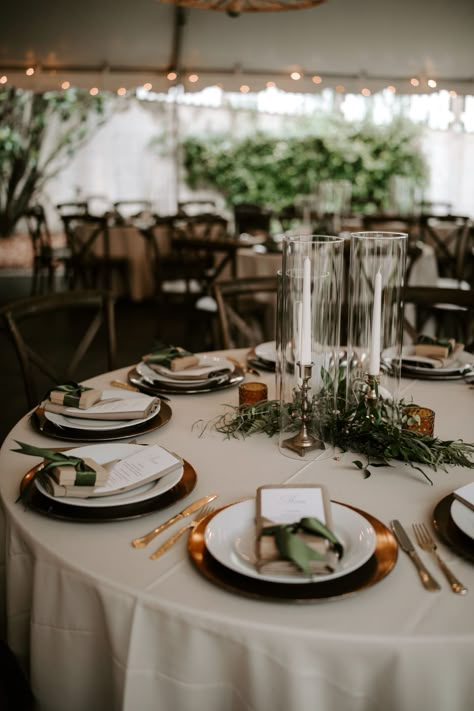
{"points": [[200, 507]]}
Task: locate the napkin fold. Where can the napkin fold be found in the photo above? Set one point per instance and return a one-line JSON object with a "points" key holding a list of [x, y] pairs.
{"points": [[306, 546], [74, 395], [434, 353], [173, 357], [133, 408]]}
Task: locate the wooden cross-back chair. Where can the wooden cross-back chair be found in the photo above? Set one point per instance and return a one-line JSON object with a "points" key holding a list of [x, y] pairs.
{"points": [[452, 239], [52, 334], [46, 258], [91, 264], [450, 312], [246, 310]]}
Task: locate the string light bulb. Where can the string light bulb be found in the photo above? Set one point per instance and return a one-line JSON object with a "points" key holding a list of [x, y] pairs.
{"points": [[432, 83], [147, 86], [30, 71], [316, 79], [3, 79], [94, 91], [193, 78], [65, 85], [415, 82], [295, 76], [171, 76]]}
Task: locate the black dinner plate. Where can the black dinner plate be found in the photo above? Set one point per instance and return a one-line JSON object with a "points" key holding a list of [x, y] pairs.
{"points": [[37, 501], [72, 434], [449, 532]]}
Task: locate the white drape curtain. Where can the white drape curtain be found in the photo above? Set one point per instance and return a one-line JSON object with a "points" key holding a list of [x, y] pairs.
{"points": [[134, 156]]}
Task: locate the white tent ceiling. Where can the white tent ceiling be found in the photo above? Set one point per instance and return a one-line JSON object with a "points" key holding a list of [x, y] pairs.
{"points": [[353, 43]]}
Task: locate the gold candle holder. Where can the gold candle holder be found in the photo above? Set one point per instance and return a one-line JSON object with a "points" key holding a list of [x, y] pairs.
{"points": [[303, 441], [422, 419], [250, 393]]}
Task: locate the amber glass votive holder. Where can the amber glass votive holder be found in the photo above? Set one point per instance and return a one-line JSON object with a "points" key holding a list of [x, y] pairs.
{"points": [[424, 424], [250, 393]]}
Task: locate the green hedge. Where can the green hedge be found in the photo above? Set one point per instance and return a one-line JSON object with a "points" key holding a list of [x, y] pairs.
{"points": [[274, 170]]}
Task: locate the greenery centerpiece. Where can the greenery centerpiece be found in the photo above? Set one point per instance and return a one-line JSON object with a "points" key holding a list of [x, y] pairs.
{"points": [[378, 430], [38, 133]]}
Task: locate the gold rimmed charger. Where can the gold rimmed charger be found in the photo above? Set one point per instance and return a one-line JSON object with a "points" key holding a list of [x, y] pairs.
{"points": [[37, 501], [72, 434], [373, 571]]}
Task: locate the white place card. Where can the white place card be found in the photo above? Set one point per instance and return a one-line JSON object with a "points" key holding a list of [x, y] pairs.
{"points": [[287, 504], [150, 463]]}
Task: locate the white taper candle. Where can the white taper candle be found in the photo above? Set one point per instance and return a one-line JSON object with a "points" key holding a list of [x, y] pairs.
{"points": [[306, 351], [374, 359]]}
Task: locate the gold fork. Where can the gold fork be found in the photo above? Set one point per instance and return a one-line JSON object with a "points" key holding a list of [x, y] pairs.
{"points": [[426, 543], [175, 537]]}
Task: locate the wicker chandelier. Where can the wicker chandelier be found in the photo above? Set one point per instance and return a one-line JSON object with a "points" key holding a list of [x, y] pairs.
{"points": [[235, 7]]}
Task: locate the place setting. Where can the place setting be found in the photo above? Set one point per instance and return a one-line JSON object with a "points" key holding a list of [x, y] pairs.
{"points": [[104, 482], [174, 370], [291, 543], [78, 413], [453, 520], [434, 359], [263, 356]]}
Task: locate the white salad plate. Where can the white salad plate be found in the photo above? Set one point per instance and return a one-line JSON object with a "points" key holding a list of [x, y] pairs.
{"points": [[103, 453], [230, 539], [463, 517], [190, 376], [82, 423]]}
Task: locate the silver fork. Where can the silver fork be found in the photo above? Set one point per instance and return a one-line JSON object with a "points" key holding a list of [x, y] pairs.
{"points": [[426, 543], [176, 536]]}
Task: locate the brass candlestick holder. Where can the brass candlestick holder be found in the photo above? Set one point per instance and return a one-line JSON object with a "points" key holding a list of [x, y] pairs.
{"points": [[372, 390], [303, 441]]}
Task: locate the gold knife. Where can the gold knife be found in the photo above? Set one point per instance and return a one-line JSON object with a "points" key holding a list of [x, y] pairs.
{"points": [[192, 508], [425, 576]]}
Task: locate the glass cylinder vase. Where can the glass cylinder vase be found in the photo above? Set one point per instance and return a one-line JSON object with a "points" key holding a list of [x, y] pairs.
{"points": [[375, 314], [308, 347]]}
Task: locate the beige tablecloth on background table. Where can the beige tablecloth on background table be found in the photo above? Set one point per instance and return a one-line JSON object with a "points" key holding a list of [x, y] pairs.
{"points": [[100, 626]]}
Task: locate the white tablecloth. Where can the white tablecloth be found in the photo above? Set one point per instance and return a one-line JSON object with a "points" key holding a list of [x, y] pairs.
{"points": [[101, 627]]}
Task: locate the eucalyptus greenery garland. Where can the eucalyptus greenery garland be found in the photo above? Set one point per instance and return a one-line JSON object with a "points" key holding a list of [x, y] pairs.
{"points": [[374, 430]]}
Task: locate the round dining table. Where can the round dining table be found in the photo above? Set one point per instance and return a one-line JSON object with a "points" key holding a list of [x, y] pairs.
{"points": [[99, 626]]}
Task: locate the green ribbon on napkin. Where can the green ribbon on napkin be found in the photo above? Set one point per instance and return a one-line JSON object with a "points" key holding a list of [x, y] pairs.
{"points": [[291, 547], [72, 392], [164, 356], [85, 476]]}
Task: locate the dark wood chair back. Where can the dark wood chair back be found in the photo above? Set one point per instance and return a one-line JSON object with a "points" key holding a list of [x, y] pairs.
{"points": [[252, 219], [52, 334], [46, 258], [246, 310], [450, 312]]}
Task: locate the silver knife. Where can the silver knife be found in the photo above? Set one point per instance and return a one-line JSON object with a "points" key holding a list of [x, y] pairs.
{"points": [[426, 578], [192, 508]]}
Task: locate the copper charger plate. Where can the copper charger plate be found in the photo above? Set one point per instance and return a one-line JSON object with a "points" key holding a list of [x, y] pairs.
{"points": [[135, 379], [377, 567], [71, 434], [449, 533], [37, 501]]}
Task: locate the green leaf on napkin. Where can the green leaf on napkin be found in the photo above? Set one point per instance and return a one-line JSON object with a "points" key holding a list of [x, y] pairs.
{"points": [[85, 475], [291, 547], [164, 356]]}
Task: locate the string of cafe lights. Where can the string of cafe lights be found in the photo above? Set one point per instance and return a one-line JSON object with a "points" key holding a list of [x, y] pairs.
{"points": [[412, 84]]}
